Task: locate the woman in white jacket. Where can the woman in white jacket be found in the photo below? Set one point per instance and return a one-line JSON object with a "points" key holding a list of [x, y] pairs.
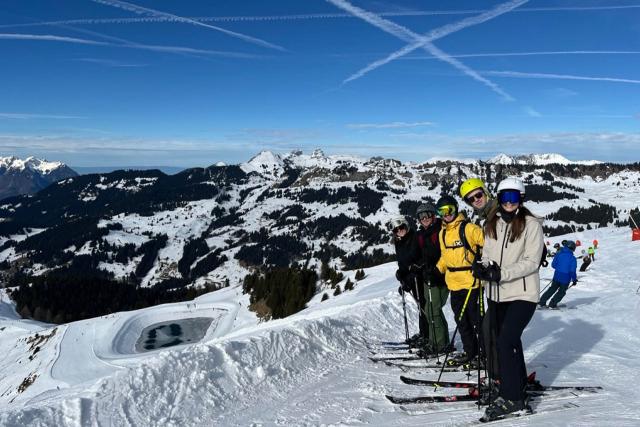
{"points": [[510, 261]]}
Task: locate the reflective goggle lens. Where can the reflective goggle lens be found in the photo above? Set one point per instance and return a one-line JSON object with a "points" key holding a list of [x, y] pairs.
{"points": [[423, 215], [509, 196], [400, 227], [446, 210], [473, 197]]}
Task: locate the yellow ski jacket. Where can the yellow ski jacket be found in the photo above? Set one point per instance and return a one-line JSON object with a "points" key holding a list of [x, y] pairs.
{"points": [[455, 260]]}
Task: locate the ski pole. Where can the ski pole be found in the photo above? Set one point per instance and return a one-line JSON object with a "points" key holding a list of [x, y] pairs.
{"points": [[404, 309], [455, 331], [551, 281], [638, 289], [433, 324]]}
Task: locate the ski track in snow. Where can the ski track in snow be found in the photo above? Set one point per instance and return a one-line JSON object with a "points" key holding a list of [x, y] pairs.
{"points": [[312, 368]]}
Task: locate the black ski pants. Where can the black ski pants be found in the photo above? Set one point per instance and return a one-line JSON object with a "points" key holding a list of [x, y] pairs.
{"points": [[512, 318], [469, 324]]}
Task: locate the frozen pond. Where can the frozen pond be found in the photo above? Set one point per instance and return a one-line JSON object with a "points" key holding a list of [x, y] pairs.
{"points": [[173, 332]]}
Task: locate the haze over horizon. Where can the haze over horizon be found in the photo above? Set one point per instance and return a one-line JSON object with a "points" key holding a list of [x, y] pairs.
{"points": [[100, 83]]}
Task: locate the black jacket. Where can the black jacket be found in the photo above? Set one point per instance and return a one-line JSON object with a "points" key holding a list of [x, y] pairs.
{"points": [[407, 254], [429, 245]]}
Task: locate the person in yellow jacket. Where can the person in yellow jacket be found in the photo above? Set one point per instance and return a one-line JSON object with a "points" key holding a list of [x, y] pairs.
{"points": [[455, 263]]}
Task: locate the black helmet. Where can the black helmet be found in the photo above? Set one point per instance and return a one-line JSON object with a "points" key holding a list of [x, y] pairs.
{"points": [[446, 200], [571, 245], [426, 207]]}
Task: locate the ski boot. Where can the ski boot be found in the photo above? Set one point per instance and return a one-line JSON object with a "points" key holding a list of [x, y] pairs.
{"points": [[502, 407]]}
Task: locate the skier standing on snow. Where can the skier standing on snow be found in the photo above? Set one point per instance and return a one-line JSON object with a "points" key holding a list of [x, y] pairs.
{"points": [[564, 264], [435, 290], [458, 251], [409, 273], [586, 261], [513, 247], [592, 253], [475, 194]]}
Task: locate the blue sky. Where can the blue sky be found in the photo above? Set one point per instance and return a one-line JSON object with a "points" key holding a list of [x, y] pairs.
{"points": [[189, 83]]}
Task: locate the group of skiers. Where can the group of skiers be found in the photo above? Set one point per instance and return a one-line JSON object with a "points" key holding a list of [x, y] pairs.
{"points": [[499, 253]]}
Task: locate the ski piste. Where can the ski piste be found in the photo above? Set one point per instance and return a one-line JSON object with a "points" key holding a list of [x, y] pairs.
{"points": [[532, 386]]}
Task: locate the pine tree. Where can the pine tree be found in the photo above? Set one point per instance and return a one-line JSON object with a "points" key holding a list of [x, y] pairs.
{"points": [[337, 292], [360, 274], [349, 285], [324, 297]]}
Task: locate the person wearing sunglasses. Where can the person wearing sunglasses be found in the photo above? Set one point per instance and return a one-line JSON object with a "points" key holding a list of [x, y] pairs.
{"points": [[513, 246], [455, 263], [409, 272], [434, 289], [475, 194]]}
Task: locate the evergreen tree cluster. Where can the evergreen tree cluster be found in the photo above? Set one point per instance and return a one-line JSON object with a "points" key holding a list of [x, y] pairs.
{"points": [[192, 250], [209, 263], [368, 200], [278, 250], [284, 290], [68, 295], [49, 245], [365, 260], [327, 252], [328, 274], [149, 251], [600, 213], [332, 226], [545, 193]]}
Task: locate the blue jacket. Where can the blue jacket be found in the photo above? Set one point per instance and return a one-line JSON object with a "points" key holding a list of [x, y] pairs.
{"points": [[565, 266]]}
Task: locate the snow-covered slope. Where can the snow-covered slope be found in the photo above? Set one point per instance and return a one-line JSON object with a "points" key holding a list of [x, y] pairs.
{"points": [[312, 368]]}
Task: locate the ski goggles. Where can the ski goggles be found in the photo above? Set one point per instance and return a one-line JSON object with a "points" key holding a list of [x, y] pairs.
{"points": [[425, 215], [509, 196], [446, 210], [473, 197], [398, 228]]}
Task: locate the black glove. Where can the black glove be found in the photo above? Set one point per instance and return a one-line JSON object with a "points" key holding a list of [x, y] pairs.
{"points": [[490, 273], [575, 282], [544, 263], [406, 287]]}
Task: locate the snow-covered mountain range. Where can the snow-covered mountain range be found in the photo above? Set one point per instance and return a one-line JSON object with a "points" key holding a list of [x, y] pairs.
{"points": [[30, 175], [539, 160], [217, 224]]}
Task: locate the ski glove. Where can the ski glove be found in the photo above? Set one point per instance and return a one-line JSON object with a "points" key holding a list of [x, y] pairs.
{"points": [[490, 273]]}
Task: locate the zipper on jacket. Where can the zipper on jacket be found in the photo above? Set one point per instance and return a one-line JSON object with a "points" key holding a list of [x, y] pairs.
{"points": [[524, 284]]}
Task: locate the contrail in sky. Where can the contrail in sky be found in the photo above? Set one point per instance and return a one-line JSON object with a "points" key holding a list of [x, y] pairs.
{"points": [[146, 11], [517, 74], [306, 16], [418, 41], [125, 44]]}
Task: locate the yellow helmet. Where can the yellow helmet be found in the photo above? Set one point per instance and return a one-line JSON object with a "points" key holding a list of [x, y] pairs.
{"points": [[471, 184]]}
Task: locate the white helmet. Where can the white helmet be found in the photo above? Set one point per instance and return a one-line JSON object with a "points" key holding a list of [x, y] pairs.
{"points": [[511, 184], [397, 221]]}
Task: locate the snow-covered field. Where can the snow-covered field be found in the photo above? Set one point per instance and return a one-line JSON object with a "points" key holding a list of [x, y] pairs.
{"points": [[312, 368]]}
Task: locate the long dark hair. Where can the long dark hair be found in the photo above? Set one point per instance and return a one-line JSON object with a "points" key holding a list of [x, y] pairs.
{"points": [[517, 223]]}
